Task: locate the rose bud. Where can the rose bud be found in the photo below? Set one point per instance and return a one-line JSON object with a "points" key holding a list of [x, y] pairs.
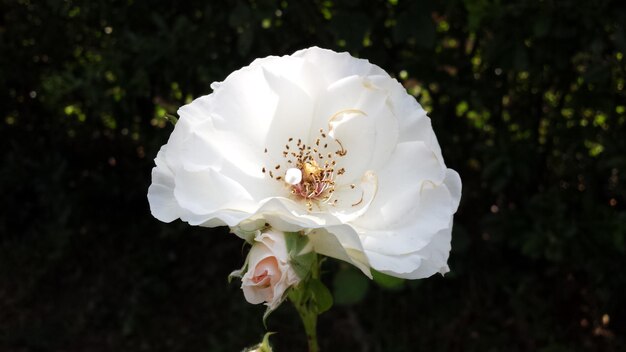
{"points": [[269, 273]]}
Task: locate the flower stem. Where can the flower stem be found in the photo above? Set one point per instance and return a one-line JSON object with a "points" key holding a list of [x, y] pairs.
{"points": [[309, 320], [306, 307]]}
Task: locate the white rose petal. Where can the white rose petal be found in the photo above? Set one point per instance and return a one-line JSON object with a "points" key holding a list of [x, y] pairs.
{"points": [[317, 141]]}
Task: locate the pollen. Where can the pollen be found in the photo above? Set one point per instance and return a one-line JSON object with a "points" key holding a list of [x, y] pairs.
{"points": [[308, 173]]}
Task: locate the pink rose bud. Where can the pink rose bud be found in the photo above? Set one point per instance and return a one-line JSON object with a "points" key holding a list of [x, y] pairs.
{"points": [[269, 273]]}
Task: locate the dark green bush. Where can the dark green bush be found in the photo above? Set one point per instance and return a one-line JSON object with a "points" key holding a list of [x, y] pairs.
{"points": [[527, 99]]}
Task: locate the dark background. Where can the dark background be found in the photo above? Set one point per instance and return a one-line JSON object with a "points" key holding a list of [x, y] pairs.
{"points": [[526, 97]]}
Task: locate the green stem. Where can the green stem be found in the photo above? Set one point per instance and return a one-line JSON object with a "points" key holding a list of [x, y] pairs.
{"points": [[307, 309], [309, 320]]}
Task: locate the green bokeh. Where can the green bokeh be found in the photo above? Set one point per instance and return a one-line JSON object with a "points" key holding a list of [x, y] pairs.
{"points": [[526, 97]]}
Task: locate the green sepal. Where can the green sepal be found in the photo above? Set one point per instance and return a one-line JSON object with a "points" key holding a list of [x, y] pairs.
{"points": [[266, 314], [269, 310], [249, 230], [301, 264], [320, 295], [301, 257], [170, 118], [239, 273], [264, 346], [295, 243]]}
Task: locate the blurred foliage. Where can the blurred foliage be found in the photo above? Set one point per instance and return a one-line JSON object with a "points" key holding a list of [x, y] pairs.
{"points": [[527, 99]]}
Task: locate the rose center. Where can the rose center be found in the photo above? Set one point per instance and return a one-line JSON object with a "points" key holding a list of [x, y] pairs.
{"points": [[310, 169]]}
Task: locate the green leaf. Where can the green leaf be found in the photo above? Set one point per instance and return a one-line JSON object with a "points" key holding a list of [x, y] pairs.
{"points": [[387, 281], [321, 295], [350, 286]]}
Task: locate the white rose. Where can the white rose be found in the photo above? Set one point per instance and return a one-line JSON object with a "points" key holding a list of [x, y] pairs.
{"points": [[316, 141], [269, 273]]}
